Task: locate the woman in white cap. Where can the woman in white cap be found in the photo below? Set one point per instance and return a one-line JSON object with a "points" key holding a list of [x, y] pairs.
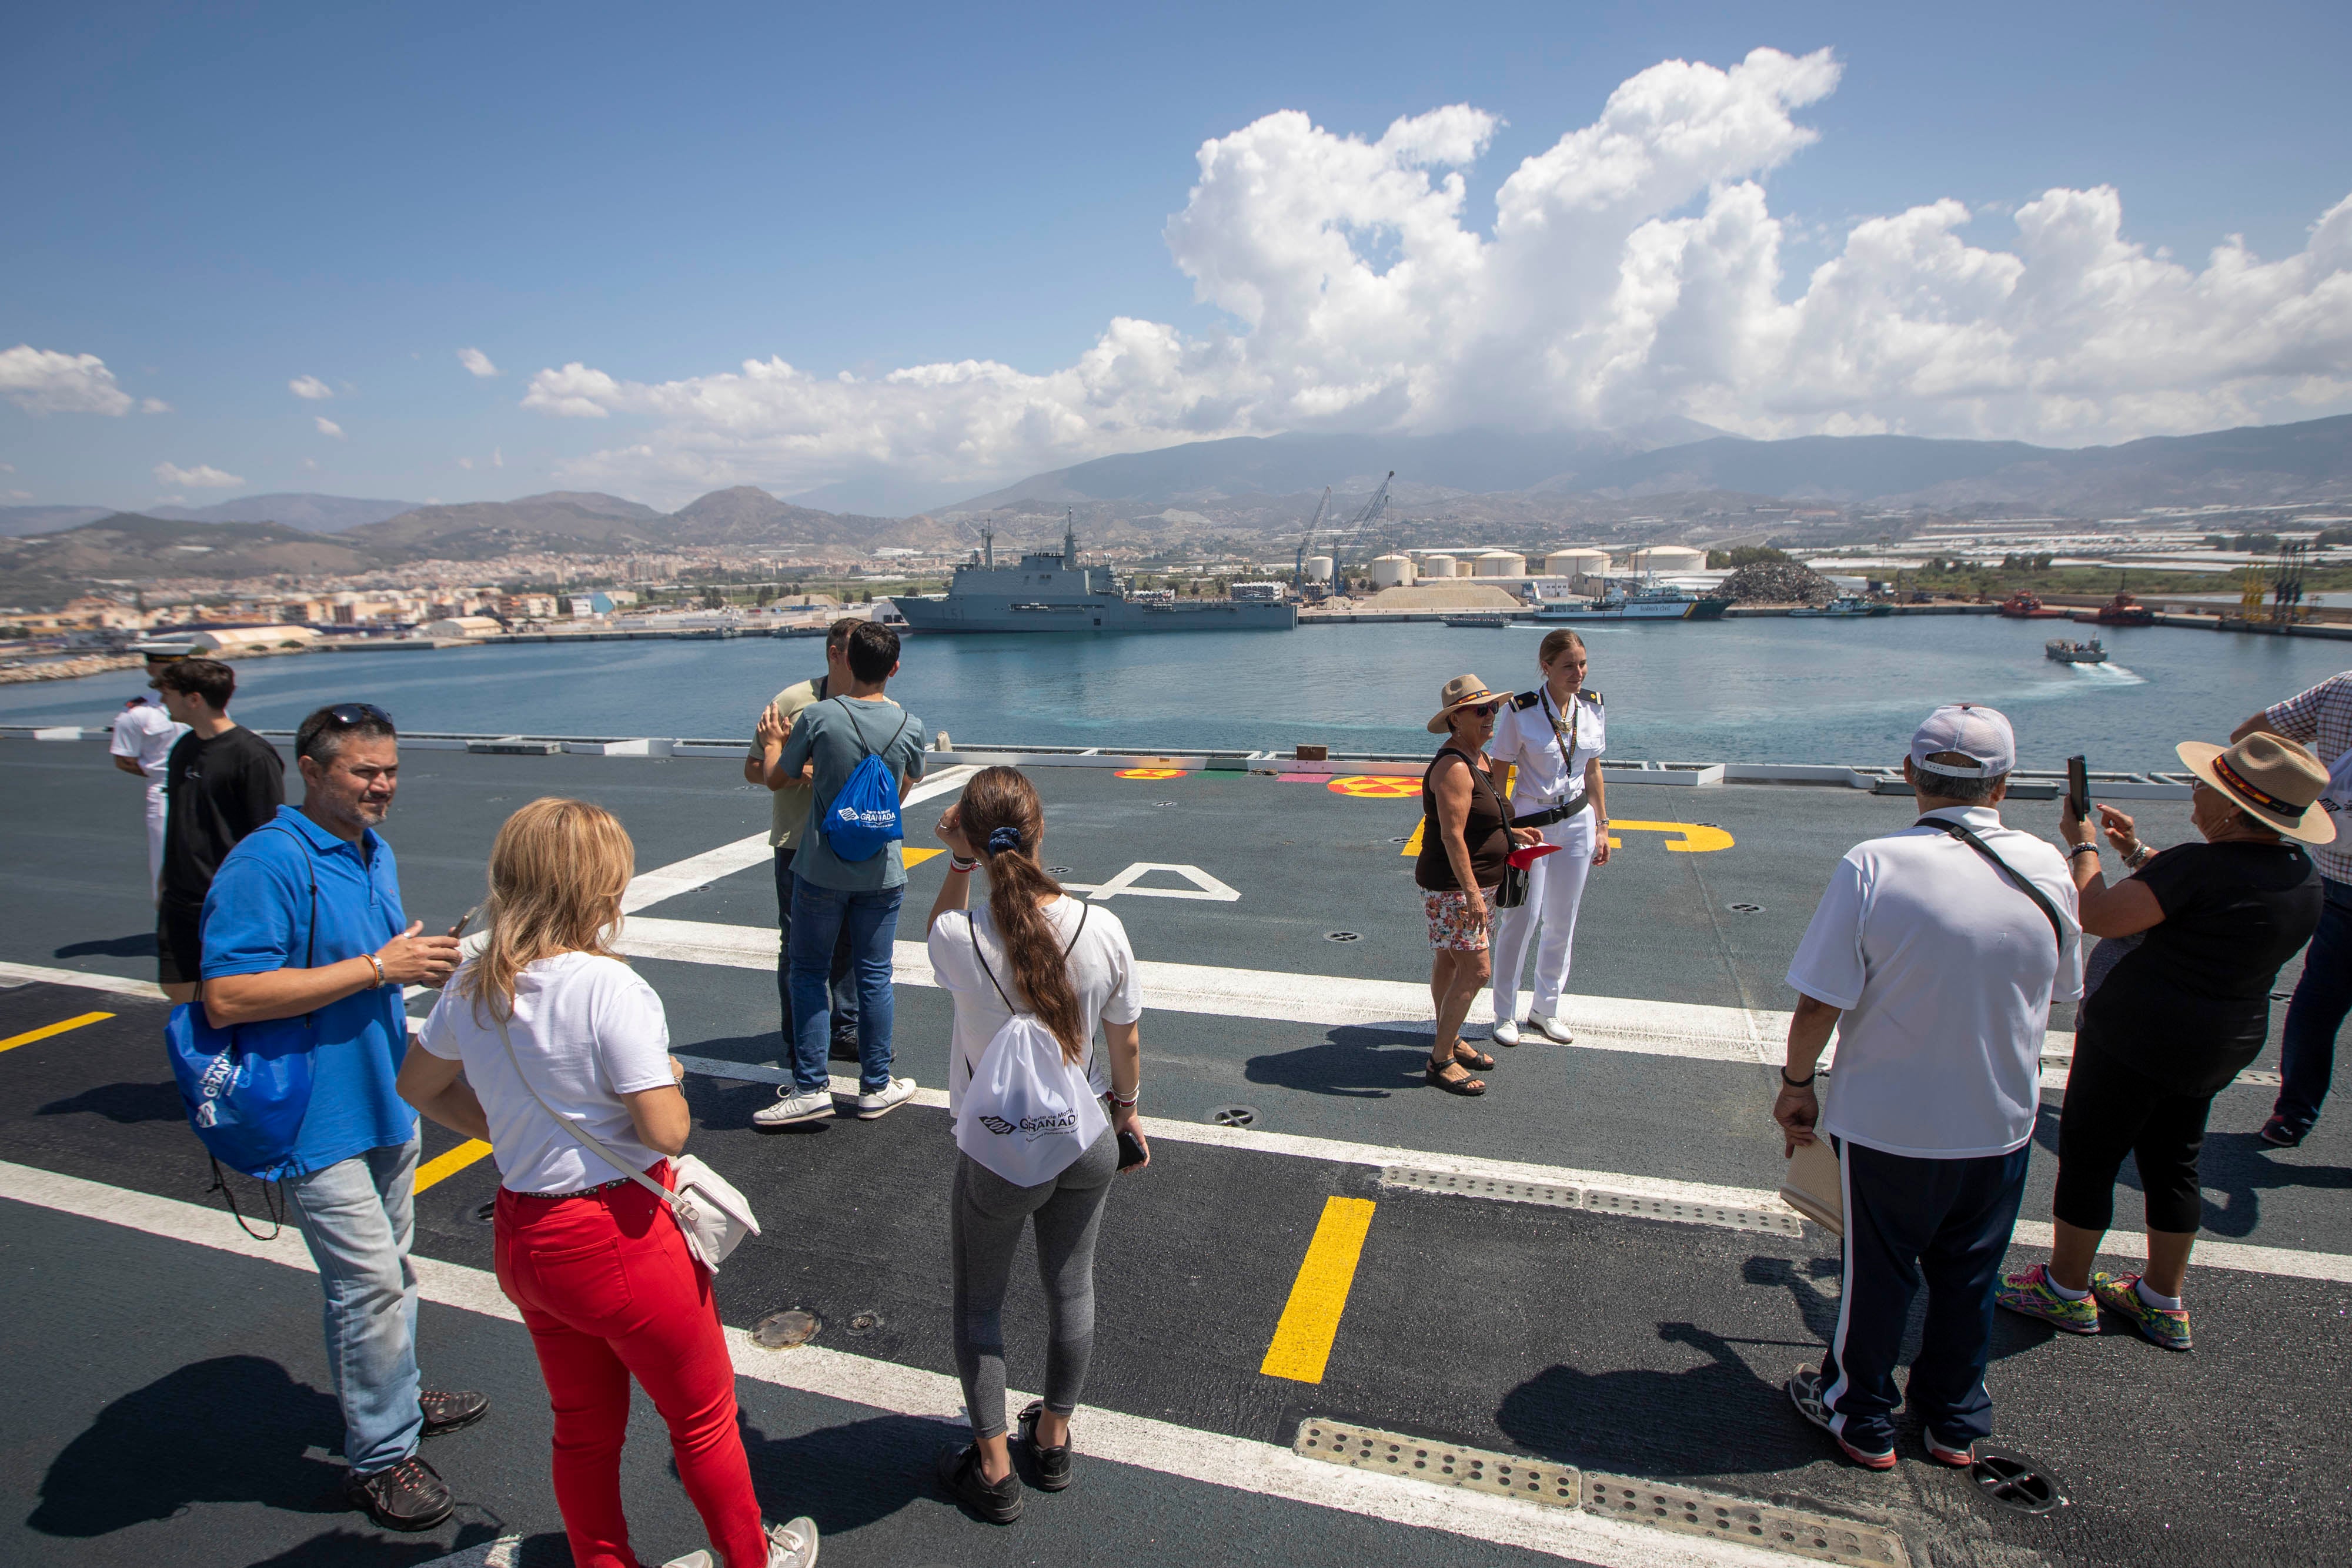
{"points": [[2203, 929], [1467, 840]]}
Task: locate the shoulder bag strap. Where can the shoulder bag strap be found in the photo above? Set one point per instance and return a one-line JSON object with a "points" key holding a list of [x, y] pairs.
{"points": [[1961, 832], [310, 869], [971, 928], [586, 1139]]}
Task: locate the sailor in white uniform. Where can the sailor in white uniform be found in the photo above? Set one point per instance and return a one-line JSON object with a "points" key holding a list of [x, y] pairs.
{"points": [[1554, 736], [143, 735]]}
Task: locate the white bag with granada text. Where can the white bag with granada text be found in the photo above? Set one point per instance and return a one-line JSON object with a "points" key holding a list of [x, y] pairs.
{"points": [[1028, 1112]]}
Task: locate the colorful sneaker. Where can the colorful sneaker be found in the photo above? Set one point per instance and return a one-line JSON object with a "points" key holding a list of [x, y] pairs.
{"points": [[2281, 1133], [2119, 1293], [1805, 1394], [1944, 1453], [2028, 1294]]}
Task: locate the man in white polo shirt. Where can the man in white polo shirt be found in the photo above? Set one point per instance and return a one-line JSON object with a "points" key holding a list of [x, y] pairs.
{"points": [[1936, 966]]}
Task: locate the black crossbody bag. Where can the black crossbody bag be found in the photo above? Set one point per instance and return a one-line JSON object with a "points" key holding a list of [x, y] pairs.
{"points": [[1961, 832]]}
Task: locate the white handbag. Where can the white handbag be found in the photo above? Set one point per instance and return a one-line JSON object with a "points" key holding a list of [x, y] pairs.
{"points": [[712, 1215]]}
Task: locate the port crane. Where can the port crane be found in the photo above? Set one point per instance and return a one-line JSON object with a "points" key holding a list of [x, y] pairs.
{"points": [[1298, 562], [1362, 520]]}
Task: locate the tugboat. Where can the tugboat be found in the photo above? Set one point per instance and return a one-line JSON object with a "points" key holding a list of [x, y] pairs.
{"points": [[2123, 610], [2067, 653], [2024, 606]]}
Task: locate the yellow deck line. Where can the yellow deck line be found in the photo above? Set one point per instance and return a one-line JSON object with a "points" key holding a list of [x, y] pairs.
{"points": [[444, 1165], [30, 1035], [1310, 1322]]}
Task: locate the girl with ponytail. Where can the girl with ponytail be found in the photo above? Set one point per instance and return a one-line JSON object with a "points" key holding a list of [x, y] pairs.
{"points": [[1068, 965]]}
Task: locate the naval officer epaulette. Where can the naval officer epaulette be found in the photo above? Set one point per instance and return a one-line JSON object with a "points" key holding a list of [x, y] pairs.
{"points": [[1526, 699], [1595, 696]]}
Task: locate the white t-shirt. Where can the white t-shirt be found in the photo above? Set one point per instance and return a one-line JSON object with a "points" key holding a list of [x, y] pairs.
{"points": [[1525, 736], [144, 733], [1945, 971], [587, 1030], [1102, 968]]}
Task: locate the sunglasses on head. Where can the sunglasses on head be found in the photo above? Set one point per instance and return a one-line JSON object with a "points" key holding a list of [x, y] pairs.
{"points": [[358, 713]]}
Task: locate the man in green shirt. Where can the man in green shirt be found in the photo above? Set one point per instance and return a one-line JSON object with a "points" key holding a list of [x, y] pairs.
{"points": [[788, 819], [832, 896]]}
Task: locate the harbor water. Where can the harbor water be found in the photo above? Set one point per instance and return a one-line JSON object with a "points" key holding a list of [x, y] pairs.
{"points": [[1761, 690]]}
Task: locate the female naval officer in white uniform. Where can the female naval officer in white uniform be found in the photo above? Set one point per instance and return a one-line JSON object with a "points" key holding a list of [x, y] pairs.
{"points": [[1555, 736]]}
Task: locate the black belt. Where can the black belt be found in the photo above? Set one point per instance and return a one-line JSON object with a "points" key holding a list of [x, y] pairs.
{"points": [[1550, 814]]}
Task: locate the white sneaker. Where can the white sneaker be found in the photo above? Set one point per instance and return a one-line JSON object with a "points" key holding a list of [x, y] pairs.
{"points": [[693, 1559], [1506, 1032], [791, 1107], [1551, 1029], [793, 1545], [882, 1101]]}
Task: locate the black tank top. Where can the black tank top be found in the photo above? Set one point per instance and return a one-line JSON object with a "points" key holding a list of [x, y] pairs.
{"points": [[1484, 832]]}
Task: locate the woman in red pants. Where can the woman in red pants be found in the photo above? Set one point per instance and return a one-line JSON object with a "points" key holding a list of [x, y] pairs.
{"points": [[598, 1267]]}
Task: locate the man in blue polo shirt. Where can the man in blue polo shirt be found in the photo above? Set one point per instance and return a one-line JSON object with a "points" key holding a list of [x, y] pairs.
{"points": [[303, 920]]}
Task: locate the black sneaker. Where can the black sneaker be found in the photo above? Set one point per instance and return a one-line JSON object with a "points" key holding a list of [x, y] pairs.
{"points": [[845, 1046], [1052, 1466], [2279, 1135], [958, 1472], [408, 1495], [446, 1413]]}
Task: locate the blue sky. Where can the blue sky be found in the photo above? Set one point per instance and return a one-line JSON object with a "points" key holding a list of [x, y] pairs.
{"points": [[216, 201]]}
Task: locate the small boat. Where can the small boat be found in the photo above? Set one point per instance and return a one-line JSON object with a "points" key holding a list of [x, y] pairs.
{"points": [[2024, 606], [2067, 653], [1845, 607], [1492, 622], [2123, 610]]}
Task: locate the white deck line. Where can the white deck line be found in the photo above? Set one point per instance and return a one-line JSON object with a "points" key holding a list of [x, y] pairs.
{"points": [[145, 990], [1210, 1458]]}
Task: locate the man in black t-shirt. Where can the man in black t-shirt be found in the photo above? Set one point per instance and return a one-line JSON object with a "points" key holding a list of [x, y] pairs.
{"points": [[220, 783]]}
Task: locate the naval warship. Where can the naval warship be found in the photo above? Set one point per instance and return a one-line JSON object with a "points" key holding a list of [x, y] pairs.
{"points": [[1051, 592]]}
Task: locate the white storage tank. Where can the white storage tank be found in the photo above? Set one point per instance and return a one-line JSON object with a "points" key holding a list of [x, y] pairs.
{"points": [[1499, 563], [1666, 559], [1319, 568], [1576, 563], [1388, 570], [1437, 566]]}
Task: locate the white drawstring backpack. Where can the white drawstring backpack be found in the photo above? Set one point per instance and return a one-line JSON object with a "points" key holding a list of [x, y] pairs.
{"points": [[1029, 1112]]}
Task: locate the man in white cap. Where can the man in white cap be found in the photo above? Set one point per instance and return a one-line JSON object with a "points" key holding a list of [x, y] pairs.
{"points": [[1935, 954]]}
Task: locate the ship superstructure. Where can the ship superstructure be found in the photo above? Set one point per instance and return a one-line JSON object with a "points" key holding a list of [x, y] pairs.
{"points": [[1045, 591]]}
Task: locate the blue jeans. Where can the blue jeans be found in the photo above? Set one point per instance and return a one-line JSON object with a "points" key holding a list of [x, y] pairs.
{"points": [[358, 1216], [2322, 997], [845, 994], [1947, 1222], [821, 917]]}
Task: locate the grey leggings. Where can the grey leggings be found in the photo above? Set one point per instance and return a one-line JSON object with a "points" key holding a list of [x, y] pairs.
{"points": [[985, 1231]]}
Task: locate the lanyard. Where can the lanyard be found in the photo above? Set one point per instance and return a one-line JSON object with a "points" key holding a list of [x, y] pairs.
{"points": [[1567, 741]]}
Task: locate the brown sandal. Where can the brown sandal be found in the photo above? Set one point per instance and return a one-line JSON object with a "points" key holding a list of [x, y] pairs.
{"points": [[1434, 1076], [1471, 1057]]}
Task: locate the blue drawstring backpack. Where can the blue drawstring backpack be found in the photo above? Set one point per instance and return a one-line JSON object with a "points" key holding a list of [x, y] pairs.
{"points": [[862, 818], [247, 1088]]}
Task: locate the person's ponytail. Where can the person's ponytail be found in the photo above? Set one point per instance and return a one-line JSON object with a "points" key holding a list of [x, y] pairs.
{"points": [[1003, 818]]}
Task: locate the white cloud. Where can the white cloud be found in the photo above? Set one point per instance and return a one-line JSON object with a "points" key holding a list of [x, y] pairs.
{"points": [[1634, 269], [311, 389], [44, 380], [202, 477], [477, 361], [153, 405], [328, 426]]}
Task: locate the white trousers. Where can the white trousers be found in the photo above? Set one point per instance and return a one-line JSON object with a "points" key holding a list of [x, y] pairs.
{"points": [[156, 814], [1546, 921]]}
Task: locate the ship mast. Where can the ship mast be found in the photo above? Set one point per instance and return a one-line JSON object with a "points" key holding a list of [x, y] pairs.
{"points": [[1070, 540], [987, 546]]}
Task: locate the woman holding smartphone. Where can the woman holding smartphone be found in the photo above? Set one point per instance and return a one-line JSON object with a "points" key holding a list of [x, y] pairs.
{"points": [[1070, 965]]}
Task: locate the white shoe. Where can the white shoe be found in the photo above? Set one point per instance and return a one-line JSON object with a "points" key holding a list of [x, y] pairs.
{"points": [[1506, 1032], [793, 1545], [790, 1108], [882, 1101], [693, 1559], [1551, 1029]]}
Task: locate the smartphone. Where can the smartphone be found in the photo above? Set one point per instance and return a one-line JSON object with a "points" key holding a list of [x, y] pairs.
{"points": [[1131, 1151], [465, 920], [2078, 786]]}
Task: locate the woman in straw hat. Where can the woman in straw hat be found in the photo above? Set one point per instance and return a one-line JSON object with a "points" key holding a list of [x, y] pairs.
{"points": [[2203, 929], [1467, 838]]}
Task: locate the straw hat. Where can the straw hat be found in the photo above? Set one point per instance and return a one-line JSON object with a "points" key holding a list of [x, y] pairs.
{"points": [[2275, 781], [1462, 691]]}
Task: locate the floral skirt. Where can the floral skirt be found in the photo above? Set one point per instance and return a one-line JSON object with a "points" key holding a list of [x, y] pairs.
{"points": [[1452, 927]]}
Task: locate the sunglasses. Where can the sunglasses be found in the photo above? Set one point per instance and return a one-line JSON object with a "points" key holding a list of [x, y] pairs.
{"points": [[358, 713], [1484, 710]]}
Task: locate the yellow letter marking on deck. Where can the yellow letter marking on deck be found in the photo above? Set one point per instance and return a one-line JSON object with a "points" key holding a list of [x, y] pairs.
{"points": [[30, 1035], [442, 1167], [1310, 1322]]}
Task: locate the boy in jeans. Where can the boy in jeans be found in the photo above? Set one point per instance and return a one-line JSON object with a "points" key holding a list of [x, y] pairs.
{"points": [[832, 896]]}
